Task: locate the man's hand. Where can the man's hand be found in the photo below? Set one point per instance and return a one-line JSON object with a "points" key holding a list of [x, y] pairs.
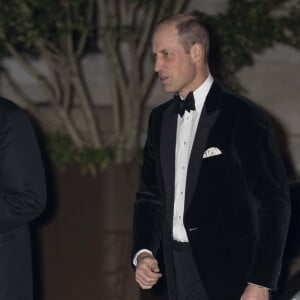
{"points": [[255, 292], [147, 271]]}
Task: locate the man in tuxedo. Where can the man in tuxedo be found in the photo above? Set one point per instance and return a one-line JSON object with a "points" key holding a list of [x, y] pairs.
{"points": [[213, 193], [22, 198]]}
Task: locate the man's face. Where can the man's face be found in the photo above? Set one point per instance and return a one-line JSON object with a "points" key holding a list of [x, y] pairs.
{"points": [[175, 67]]}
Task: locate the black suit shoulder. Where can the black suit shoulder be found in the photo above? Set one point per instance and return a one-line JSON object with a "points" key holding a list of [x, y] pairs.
{"points": [[162, 107], [10, 110], [250, 120], [7, 105], [248, 110], [156, 116]]}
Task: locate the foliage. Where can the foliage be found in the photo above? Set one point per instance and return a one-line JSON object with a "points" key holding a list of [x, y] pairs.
{"points": [[58, 32], [63, 153], [62, 32], [247, 28]]}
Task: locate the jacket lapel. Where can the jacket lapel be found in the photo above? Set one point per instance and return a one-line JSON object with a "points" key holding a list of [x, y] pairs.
{"points": [[167, 155], [207, 119]]}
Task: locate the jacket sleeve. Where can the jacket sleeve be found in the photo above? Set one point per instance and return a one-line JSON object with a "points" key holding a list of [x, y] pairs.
{"points": [[148, 207], [266, 179], [22, 180]]}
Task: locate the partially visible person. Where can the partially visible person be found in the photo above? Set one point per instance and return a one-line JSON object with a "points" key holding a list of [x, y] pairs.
{"points": [[290, 281], [22, 199], [213, 194]]}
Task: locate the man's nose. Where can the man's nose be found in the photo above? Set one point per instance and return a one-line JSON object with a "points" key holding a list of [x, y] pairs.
{"points": [[158, 65]]}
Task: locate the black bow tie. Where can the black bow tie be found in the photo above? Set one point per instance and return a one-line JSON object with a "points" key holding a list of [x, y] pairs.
{"points": [[184, 105]]}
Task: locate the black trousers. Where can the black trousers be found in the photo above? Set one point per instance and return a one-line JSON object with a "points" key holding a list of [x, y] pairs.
{"points": [[188, 283]]}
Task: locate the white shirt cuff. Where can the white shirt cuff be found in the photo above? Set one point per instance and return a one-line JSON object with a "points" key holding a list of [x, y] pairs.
{"points": [[258, 285], [138, 253]]}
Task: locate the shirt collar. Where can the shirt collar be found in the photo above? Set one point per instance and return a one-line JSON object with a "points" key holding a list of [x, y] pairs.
{"points": [[201, 92]]}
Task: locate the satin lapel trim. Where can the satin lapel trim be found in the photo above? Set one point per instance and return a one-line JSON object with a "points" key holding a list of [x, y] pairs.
{"points": [[167, 155], [204, 127]]}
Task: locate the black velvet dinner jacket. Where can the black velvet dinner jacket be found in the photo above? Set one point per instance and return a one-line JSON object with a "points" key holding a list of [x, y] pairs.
{"points": [[237, 204]]}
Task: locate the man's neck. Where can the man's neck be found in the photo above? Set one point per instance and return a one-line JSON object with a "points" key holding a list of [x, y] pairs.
{"points": [[201, 78]]}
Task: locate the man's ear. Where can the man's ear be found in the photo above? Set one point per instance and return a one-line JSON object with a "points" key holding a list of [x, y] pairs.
{"points": [[197, 52]]}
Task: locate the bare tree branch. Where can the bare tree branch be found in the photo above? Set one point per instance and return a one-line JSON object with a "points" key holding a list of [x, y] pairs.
{"points": [[85, 32], [50, 91], [111, 45], [80, 86], [29, 67], [180, 5], [116, 107], [31, 107], [55, 62], [147, 28], [122, 25]]}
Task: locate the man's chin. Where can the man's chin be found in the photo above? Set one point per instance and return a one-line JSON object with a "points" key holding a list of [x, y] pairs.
{"points": [[168, 89]]}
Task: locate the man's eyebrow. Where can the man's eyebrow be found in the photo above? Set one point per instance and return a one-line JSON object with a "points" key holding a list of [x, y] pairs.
{"points": [[162, 51]]}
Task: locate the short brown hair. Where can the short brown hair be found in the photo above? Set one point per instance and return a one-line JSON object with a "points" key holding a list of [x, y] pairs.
{"points": [[190, 31]]}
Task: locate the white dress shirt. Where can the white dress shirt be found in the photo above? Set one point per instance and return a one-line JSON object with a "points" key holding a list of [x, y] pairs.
{"points": [[185, 135], [186, 131]]}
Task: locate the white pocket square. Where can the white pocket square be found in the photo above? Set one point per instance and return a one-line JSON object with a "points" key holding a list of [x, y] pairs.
{"points": [[213, 151]]}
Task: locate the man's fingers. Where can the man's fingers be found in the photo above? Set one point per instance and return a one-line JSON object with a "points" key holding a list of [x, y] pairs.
{"points": [[154, 267], [148, 275], [146, 282], [147, 272], [149, 266]]}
